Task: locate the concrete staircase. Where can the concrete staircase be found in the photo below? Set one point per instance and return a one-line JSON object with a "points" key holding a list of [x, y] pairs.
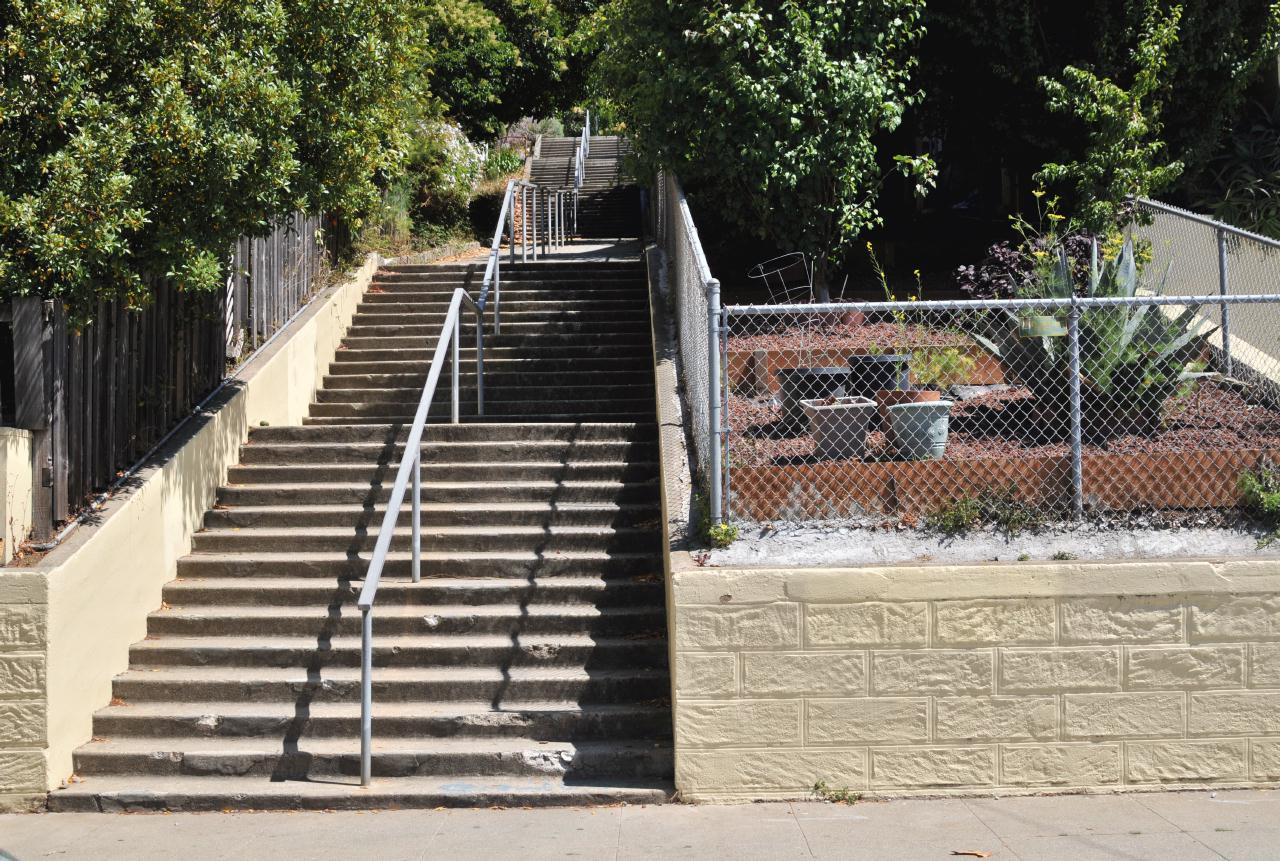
{"points": [[609, 205], [529, 666]]}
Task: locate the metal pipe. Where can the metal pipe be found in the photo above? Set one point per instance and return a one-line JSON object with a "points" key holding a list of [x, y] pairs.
{"points": [[417, 515], [366, 696], [1205, 220], [455, 369], [713, 395], [1224, 290], [479, 365], [1077, 456], [534, 195], [1012, 304]]}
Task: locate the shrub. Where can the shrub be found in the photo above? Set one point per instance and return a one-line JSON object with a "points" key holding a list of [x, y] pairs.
{"points": [[1260, 496], [502, 162], [442, 168], [999, 507]]}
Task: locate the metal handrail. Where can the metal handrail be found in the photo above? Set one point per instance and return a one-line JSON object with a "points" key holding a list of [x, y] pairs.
{"points": [[553, 235], [411, 468]]}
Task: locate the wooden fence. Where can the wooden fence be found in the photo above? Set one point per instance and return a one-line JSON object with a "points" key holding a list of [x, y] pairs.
{"points": [[99, 398]]}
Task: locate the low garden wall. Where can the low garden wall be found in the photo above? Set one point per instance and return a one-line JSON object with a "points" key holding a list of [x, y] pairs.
{"points": [[973, 679]]}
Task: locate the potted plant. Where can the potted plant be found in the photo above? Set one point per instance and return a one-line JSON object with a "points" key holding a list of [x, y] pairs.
{"points": [[801, 384], [892, 376], [919, 430], [839, 425]]}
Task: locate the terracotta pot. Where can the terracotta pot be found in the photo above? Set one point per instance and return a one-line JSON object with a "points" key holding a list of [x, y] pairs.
{"points": [[853, 318], [886, 398]]}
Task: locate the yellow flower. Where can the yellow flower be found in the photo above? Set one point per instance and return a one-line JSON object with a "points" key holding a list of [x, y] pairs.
{"points": [[869, 246], [1039, 192], [1053, 216], [917, 273]]}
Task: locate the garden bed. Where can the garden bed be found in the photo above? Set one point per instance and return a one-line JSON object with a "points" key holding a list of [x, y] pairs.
{"points": [[1208, 437]]}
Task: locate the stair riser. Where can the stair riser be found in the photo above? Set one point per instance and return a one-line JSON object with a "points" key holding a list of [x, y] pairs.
{"points": [[567, 725], [620, 763], [604, 566], [549, 277], [394, 798], [640, 492], [385, 475], [639, 541], [459, 433], [189, 594], [613, 624], [598, 690], [631, 351], [544, 331], [505, 397], [500, 381], [500, 411], [514, 297], [639, 655], [448, 452], [285, 518], [491, 416]]}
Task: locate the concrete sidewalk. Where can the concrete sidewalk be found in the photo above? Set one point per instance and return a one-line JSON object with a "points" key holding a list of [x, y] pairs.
{"points": [[1166, 826]]}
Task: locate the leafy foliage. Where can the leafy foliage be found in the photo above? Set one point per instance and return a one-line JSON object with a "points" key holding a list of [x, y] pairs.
{"points": [[1260, 495], [1124, 150], [768, 109], [141, 138], [999, 507], [1243, 182]]}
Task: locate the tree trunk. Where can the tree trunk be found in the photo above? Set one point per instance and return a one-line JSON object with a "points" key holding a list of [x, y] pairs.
{"points": [[820, 268]]}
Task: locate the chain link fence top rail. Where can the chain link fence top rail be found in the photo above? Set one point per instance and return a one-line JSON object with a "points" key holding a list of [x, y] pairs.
{"points": [[1016, 412], [689, 282]]}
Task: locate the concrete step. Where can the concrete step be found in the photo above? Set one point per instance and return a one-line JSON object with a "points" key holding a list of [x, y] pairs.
{"points": [[455, 538], [528, 650], [563, 431], [605, 328], [439, 451], [375, 475], [364, 494], [390, 684], [493, 368], [420, 351], [600, 591], [566, 719], [516, 411], [496, 395], [334, 565], [501, 376], [151, 793], [436, 513], [310, 758], [512, 306], [548, 275], [394, 620], [512, 294]]}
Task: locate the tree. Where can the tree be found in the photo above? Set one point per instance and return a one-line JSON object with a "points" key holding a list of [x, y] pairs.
{"points": [[774, 109], [1123, 153], [141, 137]]}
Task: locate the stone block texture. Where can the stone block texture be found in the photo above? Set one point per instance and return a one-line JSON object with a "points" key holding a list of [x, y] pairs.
{"points": [[23, 715], [967, 693]]}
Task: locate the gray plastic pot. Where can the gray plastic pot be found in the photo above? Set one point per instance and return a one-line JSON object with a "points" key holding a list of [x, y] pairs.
{"points": [[919, 431], [839, 428]]}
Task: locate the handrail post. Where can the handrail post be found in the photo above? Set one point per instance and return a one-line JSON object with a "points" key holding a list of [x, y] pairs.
{"points": [[524, 224], [366, 696], [455, 366], [511, 223], [417, 515], [533, 193], [479, 363]]}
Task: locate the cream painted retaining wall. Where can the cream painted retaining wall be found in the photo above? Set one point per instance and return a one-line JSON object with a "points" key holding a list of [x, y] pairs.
{"points": [[941, 680], [15, 496], [66, 624]]}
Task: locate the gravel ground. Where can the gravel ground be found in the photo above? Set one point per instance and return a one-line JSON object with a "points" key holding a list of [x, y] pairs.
{"points": [[859, 545]]}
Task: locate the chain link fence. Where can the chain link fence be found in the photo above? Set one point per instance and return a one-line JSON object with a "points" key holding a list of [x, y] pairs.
{"points": [[694, 298]]}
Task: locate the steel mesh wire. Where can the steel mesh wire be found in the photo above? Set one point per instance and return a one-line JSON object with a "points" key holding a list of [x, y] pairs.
{"points": [[874, 412]]}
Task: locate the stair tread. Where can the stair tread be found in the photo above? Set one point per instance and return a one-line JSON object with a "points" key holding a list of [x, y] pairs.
{"points": [[381, 708], [386, 641], [112, 792], [351, 746], [387, 611], [303, 676]]}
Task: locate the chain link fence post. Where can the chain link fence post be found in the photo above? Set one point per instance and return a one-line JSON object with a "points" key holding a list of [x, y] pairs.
{"points": [[1077, 434], [715, 479], [1224, 285]]}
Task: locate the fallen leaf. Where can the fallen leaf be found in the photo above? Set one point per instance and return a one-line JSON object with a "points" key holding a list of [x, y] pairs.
{"points": [[971, 853]]}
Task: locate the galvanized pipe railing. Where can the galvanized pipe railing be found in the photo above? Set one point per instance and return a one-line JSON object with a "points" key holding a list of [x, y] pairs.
{"points": [[521, 201], [410, 471]]}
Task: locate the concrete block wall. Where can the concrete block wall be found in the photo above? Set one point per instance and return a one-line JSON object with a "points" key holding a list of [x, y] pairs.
{"points": [[23, 724], [953, 680]]}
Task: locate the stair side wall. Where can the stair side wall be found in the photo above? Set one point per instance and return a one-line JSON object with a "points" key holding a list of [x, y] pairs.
{"points": [[67, 623]]}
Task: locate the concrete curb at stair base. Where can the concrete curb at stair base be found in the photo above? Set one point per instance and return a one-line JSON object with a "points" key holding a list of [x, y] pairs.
{"points": [[975, 679], [67, 623]]}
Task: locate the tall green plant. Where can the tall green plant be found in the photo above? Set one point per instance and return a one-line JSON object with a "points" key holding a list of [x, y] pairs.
{"points": [[775, 112], [1124, 153], [1132, 357]]}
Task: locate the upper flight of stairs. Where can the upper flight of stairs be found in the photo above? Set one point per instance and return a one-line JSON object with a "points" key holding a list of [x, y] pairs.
{"points": [[609, 204], [528, 667]]}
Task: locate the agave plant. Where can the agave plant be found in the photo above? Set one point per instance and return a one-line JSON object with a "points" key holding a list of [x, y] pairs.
{"points": [[1132, 357]]}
